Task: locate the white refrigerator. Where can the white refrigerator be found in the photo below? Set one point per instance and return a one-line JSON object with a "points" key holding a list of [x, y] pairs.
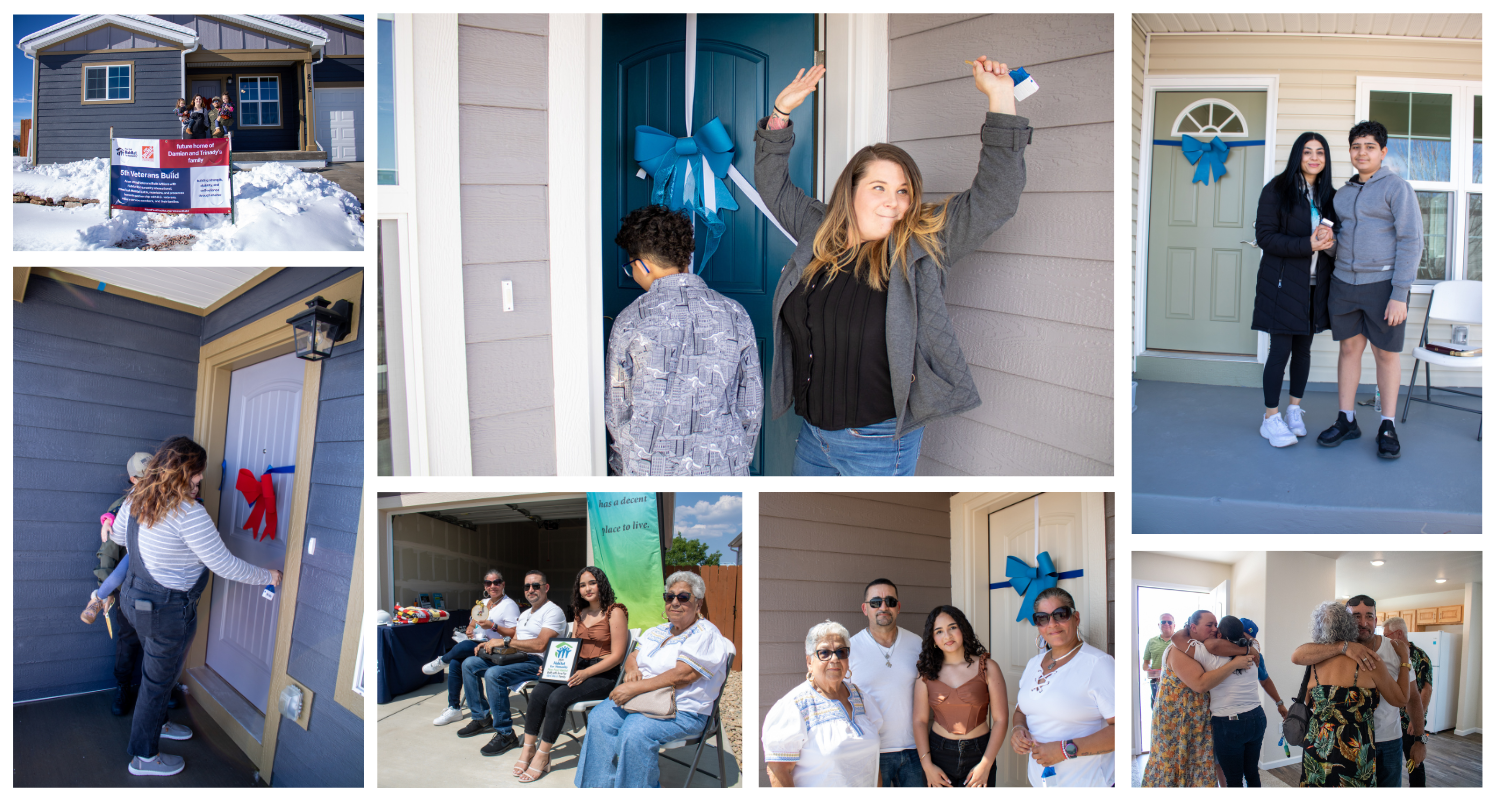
{"points": [[1444, 650]]}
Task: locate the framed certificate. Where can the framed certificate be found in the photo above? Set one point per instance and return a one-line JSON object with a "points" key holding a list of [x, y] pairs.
{"points": [[562, 658]]}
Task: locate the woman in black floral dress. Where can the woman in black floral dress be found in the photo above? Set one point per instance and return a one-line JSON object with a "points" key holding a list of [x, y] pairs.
{"points": [[1340, 748]]}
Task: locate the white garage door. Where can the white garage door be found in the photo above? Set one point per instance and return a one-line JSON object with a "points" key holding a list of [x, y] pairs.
{"points": [[341, 123]]}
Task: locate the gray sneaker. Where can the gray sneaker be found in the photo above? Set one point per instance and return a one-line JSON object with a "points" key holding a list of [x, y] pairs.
{"points": [[163, 766], [175, 732]]}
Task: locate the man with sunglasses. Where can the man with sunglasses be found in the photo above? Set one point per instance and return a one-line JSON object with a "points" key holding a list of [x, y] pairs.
{"points": [[1156, 648], [684, 394], [883, 662], [537, 625], [499, 621]]}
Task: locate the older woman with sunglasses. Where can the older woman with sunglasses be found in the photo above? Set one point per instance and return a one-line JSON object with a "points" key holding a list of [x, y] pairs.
{"points": [[825, 732], [1065, 711], [686, 655], [499, 620]]}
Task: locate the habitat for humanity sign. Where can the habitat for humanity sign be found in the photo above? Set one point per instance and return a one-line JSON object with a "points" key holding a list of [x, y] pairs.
{"points": [[175, 176]]}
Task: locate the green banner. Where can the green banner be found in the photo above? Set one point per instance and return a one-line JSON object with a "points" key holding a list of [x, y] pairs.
{"points": [[626, 538]]}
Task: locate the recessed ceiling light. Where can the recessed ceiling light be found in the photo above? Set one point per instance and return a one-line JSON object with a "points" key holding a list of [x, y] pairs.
{"points": [[1377, 563], [1442, 580]]}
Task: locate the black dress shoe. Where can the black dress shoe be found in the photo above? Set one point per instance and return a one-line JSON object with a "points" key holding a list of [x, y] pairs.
{"points": [[124, 701], [1386, 443], [1342, 429], [503, 741], [476, 727]]}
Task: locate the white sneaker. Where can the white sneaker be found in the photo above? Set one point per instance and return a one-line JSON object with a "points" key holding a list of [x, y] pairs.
{"points": [[1275, 429], [1294, 420], [449, 715], [434, 666]]}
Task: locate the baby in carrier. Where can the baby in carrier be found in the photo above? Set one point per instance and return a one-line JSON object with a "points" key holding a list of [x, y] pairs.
{"points": [[114, 561]]}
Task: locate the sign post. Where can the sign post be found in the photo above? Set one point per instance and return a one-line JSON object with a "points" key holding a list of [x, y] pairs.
{"points": [[170, 176], [109, 210]]}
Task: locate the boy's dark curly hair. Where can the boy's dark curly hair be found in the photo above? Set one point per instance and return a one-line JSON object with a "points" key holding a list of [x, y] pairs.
{"points": [[930, 660], [1368, 128], [658, 233]]}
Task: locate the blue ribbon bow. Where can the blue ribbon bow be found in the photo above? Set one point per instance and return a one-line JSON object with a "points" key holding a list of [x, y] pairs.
{"points": [[1032, 581], [1209, 156], [667, 159]]}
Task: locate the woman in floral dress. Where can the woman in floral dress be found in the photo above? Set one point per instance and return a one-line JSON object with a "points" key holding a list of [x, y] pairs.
{"points": [[1182, 744], [1340, 749]]}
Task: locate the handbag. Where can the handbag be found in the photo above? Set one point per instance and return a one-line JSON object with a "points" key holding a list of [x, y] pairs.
{"points": [[500, 659], [656, 704], [1294, 727]]}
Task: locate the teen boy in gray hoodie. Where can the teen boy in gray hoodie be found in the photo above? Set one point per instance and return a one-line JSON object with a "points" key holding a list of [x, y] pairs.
{"points": [[1375, 263]]}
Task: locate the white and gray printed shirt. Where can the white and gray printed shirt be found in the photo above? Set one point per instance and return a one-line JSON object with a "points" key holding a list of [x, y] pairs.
{"points": [[684, 394]]}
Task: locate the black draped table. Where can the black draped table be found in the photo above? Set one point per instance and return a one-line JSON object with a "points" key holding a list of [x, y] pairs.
{"points": [[405, 648]]}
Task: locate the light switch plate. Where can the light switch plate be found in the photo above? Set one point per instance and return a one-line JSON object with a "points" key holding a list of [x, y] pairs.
{"points": [[508, 296]]}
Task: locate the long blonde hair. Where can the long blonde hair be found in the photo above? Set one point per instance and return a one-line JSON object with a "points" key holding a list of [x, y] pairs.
{"points": [[168, 480], [834, 249]]}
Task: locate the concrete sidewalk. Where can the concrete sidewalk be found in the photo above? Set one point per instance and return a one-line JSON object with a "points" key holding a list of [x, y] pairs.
{"points": [[415, 753], [1201, 466], [349, 175]]}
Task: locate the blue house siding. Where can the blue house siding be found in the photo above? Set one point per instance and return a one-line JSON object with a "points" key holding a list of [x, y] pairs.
{"points": [[69, 130], [249, 138], [97, 378], [280, 290], [344, 70]]}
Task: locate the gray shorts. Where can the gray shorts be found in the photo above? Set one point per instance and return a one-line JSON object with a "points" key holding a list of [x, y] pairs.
{"points": [[1359, 310]]}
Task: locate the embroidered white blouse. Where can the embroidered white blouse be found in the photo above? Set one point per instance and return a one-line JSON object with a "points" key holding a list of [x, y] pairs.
{"points": [[701, 647], [828, 746]]}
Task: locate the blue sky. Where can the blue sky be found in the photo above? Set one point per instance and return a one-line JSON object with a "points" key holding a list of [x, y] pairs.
{"points": [[710, 517], [25, 25]]}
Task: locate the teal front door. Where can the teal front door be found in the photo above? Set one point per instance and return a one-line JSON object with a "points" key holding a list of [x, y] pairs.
{"points": [[743, 61]]}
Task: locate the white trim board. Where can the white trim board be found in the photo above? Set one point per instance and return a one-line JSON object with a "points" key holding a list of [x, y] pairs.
{"points": [[1150, 86]]}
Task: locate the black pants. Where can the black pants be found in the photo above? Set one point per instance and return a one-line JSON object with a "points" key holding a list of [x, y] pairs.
{"points": [[1284, 345], [165, 631], [127, 648], [956, 757], [550, 701], [1418, 776]]}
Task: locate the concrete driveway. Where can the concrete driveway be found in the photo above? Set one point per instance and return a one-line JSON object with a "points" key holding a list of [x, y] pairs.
{"points": [[349, 175]]}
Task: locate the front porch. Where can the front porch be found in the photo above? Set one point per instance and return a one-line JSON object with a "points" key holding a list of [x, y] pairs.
{"points": [[301, 159], [1200, 466]]}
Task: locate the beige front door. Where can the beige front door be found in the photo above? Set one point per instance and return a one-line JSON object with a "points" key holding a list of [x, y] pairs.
{"points": [[1200, 276]]}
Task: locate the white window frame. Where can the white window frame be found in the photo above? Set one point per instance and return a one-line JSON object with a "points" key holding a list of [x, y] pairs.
{"points": [[241, 102], [129, 83], [1461, 167]]}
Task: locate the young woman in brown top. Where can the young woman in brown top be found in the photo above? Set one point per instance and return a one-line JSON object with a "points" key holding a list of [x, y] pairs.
{"points": [[957, 693], [603, 626]]}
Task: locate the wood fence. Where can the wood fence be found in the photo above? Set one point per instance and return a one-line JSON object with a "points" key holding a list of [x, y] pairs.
{"points": [[25, 142], [722, 602]]}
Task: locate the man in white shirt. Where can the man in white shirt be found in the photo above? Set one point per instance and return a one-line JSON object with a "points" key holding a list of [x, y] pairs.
{"points": [[883, 664], [499, 622], [1388, 757], [536, 626]]}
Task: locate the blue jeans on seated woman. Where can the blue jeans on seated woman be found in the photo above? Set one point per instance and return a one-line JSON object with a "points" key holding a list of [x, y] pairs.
{"points": [[454, 658], [857, 451], [620, 750]]}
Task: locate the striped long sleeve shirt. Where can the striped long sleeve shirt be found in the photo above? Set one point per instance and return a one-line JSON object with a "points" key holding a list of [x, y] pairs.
{"points": [[177, 549]]}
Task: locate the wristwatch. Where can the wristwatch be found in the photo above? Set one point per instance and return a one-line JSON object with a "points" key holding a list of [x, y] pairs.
{"points": [[1069, 748], [1280, 704], [1423, 738]]}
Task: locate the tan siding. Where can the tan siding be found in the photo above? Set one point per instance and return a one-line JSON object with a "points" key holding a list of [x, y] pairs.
{"points": [[503, 160], [1033, 308], [817, 552], [1138, 56], [1109, 554], [1316, 91]]}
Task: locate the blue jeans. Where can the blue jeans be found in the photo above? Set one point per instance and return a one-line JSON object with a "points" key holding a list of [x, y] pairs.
{"points": [[620, 750], [454, 658], [901, 768], [498, 681], [1155, 683], [857, 451], [1389, 763], [1237, 747]]}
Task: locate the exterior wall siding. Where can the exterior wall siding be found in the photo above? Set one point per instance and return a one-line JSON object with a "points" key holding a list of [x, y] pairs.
{"points": [[280, 290], [68, 130], [109, 37], [215, 34], [1317, 93], [818, 551], [503, 168], [1034, 308], [341, 41], [1137, 106], [97, 378]]}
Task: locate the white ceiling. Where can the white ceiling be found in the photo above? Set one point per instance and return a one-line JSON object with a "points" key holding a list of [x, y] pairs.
{"points": [[1216, 556], [1405, 572], [1448, 26], [199, 287]]}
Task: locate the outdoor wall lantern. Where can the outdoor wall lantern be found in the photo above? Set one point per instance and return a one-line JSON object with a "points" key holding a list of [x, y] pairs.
{"points": [[316, 329]]}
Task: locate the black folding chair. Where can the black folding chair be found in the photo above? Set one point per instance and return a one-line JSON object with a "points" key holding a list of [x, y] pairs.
{"points": [[714, 727]]}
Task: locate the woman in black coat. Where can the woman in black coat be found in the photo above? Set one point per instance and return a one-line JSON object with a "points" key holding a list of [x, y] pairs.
{"points": [[199, 121], [1296, 266]]}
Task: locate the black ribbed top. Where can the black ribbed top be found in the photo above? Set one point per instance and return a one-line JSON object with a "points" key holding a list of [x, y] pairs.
{"points": [[841, 374]]}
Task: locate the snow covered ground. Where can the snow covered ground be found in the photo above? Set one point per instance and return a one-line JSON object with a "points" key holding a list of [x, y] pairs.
{"points": [[278, 207]]}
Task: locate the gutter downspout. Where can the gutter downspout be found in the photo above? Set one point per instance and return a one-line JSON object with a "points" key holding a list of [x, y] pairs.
{"points": [[35, 80], [312, 108], [184, 53]]}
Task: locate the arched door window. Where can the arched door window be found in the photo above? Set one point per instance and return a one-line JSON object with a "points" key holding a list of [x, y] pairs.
{"points": [[1211, 117]]}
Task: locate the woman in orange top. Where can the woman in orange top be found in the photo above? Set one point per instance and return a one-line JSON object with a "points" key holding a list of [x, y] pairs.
{"points": [[603, 628], [957, 694]]}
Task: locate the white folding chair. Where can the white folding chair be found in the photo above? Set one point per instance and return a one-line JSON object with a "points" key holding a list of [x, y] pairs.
{"points": [[1452, 301]]}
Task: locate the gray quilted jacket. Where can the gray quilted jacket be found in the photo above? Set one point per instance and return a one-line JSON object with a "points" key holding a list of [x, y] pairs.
{"points": [[919, 336]]}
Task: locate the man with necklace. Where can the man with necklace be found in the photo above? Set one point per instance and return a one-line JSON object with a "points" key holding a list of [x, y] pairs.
{"points": [[883, 664]]}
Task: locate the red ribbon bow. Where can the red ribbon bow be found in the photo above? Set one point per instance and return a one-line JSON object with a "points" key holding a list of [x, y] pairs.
{"points": [[262, 495]]}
